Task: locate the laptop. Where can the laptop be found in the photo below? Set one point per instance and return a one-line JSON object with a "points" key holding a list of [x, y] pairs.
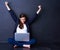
{"points": [[22, 36]]}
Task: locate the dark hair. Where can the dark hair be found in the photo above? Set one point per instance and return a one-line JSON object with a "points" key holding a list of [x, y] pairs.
{"points": [[20, 16]]}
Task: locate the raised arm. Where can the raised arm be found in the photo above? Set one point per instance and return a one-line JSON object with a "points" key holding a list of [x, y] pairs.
{"points": [[12, 13], [35, 15]]}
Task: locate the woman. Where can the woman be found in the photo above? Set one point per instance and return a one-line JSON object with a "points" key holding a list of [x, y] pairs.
{"points": [[22, 26]]}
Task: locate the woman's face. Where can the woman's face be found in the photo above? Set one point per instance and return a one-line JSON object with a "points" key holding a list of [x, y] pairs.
{"points": [[23, 19]]}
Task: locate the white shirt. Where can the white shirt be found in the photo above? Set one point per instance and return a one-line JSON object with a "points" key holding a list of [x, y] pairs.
{"points": [[23, 30]]}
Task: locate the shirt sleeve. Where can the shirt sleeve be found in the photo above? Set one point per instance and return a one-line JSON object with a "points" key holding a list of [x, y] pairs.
{"points": [[32, 18], [14, 17]]}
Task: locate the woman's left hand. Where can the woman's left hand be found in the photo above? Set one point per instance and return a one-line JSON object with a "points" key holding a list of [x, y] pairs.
{"points": [[39, 9], [39, 6]]}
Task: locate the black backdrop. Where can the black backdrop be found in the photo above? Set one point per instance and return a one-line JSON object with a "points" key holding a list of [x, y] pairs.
{"points": [[46, 28]]}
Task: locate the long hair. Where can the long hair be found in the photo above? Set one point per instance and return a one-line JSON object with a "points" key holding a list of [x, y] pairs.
{"points": [[20, 23]]}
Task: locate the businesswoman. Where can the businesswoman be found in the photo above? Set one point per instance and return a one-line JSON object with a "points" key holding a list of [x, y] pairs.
{"points": [[22, 26]]}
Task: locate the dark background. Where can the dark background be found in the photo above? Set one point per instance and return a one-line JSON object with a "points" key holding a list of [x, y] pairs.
{"points": [[46, 28]]}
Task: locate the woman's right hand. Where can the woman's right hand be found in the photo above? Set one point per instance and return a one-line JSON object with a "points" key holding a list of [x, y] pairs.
{"points": [[6, 4]]}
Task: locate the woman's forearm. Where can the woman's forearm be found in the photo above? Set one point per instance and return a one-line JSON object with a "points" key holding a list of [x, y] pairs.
{"points": [[39, 9], [7, 6]]}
